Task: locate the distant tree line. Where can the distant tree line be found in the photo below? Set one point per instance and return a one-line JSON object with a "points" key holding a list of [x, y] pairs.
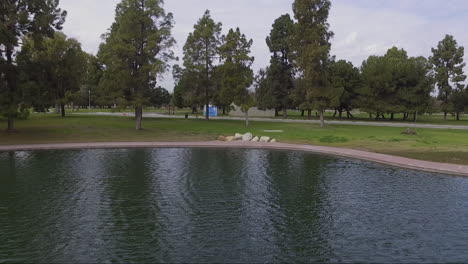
{"points": [[42, 68]]}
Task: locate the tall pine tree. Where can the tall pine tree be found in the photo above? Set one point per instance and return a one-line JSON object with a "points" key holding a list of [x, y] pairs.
{"points": [[311, 45], [201, 52], [448, 64], [136, 52]]}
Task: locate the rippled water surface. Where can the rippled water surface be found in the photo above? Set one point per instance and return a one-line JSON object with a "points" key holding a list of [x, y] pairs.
{"points": [[200, 205]]}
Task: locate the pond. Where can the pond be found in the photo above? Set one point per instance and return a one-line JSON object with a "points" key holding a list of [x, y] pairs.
{"points": [[225, 205]]}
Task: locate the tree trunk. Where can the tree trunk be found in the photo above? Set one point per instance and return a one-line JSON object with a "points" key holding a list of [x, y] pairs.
{"points": [[458, 116], [340, 113], [11, 125], [370, 115], [334, 114], [309, 114], [285, 113], [322, 120], [302, 113], [445, 116], [224, 110], [377, 117], [349, 114], [415, 116], [207, 112], [62, 109], [392, 116], [247, 118], [276, 112], [139, 117], [57, 108], [11, 84]]}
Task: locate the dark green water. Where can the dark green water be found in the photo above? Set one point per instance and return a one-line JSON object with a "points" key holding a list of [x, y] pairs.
{"points": [[199, 205]]}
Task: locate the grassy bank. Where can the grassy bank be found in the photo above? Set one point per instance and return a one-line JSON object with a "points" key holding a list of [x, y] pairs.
{"points": [[450, 146]]}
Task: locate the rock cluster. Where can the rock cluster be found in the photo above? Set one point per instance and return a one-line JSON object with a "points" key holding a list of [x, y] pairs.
{"points": [[247, 137]]}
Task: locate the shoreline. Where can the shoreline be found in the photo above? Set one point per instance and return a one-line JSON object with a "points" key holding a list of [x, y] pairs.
{"points": [[428, 166]]}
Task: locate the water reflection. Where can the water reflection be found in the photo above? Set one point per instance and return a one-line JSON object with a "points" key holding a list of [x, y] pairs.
{"points": [[199, 205]]}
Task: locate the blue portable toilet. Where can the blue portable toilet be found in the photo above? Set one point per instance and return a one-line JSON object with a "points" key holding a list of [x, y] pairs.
{"points": [[212, 112]]}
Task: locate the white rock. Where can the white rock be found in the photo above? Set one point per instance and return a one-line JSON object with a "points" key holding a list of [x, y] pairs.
{"points": [[247, 137], [273, 141], [265, 139], [238, 136], [229, 139], [255, 139]]}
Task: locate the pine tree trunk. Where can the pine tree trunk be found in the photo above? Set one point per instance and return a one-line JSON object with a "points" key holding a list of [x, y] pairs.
{"points": [[11, 125], [285, 113], [247, 118], [62, 109], [309, 114], [139, 117], [322, 119]]}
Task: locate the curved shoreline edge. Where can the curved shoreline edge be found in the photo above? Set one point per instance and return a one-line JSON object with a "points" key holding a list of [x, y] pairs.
{"points": [[428, 166]]}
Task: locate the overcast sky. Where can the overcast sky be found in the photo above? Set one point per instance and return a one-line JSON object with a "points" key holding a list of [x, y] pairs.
{"points": [[362, 27]]}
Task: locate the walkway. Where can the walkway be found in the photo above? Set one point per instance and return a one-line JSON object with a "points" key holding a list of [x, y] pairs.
{"points": [[443, 168], [353, 123]]}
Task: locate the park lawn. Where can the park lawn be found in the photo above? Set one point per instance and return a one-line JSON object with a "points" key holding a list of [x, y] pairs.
{"points": [[449, 146]]}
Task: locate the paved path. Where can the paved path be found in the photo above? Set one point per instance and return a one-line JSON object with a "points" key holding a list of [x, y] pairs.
{"points": [[354, 123], [443, 168]]}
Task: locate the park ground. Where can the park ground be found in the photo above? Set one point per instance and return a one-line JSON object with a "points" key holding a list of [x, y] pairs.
{"points": [[439, 145]]}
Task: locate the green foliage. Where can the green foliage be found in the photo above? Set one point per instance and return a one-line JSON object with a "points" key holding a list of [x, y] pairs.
{"points": [[345, 80], [160, 97], [60, 68], [235, 73], [311, 45], [395, 83], [200, 55], [35, 18], [276, 93], [136, 52], [448, 64]]}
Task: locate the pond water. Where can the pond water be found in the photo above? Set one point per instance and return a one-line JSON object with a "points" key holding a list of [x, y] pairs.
{"points": [[219, 205]]}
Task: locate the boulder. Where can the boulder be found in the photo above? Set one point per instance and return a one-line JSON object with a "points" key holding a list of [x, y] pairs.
{"points": [[229, 139], [247, 137], [273, 141], [265, 139], [222, 138], [238, 136], [255, 139]]}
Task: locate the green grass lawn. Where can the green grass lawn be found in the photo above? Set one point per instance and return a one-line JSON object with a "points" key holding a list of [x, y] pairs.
{"points": [[449, 146], [296, 115]]}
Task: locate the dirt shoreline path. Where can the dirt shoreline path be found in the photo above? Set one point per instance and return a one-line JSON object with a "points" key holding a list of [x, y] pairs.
{"points": [[453, 169]]}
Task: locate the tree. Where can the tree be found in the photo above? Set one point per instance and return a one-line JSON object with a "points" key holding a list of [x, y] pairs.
{"points": [[346, 80], [61, 68], [311, 45], [20, 18], [448, 64], [136, 52], [200, 54], [235, 73], [160, 97], [280, 72], [395, 83]]}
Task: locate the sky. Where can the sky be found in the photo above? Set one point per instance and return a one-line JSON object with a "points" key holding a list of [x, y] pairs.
{"points": [[362, 27]]}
